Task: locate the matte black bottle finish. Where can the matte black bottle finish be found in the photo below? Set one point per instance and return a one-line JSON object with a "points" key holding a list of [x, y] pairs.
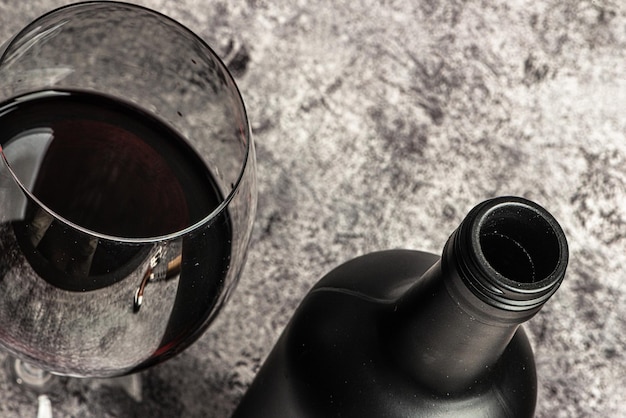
{"points": [[408, 334]]}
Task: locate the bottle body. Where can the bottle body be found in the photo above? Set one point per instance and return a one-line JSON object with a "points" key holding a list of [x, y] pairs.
{"points": [[389, 334]]}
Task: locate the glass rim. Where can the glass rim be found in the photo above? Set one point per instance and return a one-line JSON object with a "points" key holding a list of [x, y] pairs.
{"points": [[225, 202]]}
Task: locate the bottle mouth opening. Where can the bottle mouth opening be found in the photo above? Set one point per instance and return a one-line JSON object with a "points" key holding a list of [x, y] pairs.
{"points": [[518, 243]]}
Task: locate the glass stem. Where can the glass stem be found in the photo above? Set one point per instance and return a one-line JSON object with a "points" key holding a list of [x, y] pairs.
{"points": [[45, 407]]}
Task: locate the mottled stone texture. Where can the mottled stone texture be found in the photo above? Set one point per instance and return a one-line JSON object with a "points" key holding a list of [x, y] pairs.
{"points": [[379, 124]]}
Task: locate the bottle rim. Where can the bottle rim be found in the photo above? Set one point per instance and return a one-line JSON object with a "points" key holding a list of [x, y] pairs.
{"points": [[512, 253]]}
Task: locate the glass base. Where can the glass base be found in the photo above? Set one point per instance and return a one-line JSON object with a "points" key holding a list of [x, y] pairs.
{"points": [[33, 379], [30, 377]]}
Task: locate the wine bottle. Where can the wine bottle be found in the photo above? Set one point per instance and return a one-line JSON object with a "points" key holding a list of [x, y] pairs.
{"points": [[404, 333]]}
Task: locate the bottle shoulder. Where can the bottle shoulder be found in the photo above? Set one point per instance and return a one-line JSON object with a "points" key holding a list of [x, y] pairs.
{"points": [[382, 275], [336, 355]]}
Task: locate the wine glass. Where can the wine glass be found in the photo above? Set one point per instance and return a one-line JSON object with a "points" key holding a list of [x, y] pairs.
{"points": [[127, 190]]}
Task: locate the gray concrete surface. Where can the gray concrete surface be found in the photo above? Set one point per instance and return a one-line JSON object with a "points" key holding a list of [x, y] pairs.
{"points": [[378, 125]]}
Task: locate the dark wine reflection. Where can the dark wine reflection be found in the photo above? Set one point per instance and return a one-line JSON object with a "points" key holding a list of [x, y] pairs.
{"points": [[70, 259], [117, 306], [74, 261]]}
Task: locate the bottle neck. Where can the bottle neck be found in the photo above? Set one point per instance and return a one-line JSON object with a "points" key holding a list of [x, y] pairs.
{"points": [[498, 268]]}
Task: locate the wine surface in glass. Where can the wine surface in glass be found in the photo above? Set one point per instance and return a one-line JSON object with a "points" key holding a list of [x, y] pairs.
{"points": [[108, 167]]}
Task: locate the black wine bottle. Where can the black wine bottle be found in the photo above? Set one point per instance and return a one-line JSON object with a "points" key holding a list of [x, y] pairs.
{"points": [[404, 333]]}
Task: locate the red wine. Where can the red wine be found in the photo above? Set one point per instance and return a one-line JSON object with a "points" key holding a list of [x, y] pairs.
{"points": [[97, 168], [108, 166]]}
